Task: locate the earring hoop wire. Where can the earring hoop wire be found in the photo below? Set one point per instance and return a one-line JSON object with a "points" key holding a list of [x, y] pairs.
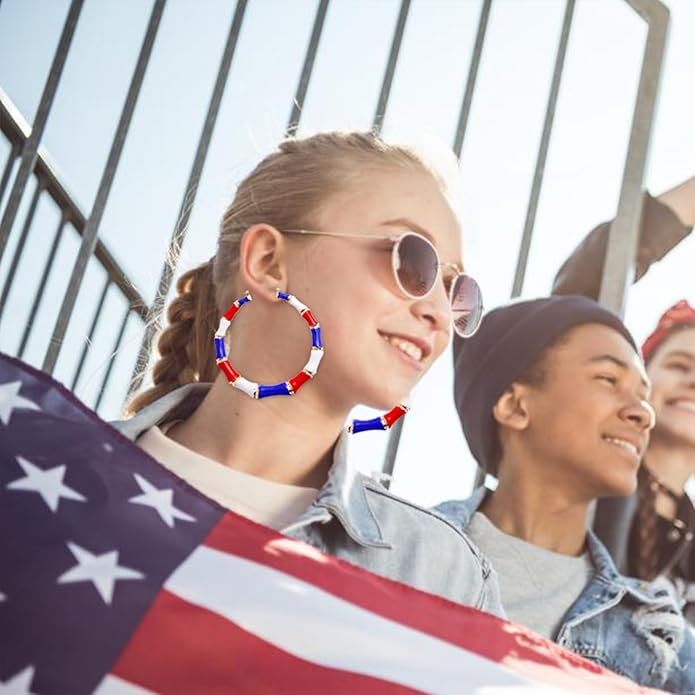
{"points": [[283, 388]]}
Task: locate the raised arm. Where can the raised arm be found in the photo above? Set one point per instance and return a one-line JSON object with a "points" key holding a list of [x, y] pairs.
{"points": [[666, 220]]}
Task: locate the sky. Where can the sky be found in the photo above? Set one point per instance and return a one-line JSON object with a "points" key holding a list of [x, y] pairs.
{"points": [[581, 183]]}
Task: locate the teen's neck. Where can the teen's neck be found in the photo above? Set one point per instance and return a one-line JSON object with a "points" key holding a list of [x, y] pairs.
{"points": [[671, 464], [538, 513], [279, 439]]}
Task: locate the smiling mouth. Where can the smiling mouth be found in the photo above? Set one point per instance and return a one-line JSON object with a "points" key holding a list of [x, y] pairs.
{"points": [[687, 405], [624, 444], [408, 348]]}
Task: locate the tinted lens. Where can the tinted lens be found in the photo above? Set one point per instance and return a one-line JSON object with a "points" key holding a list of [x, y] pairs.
{"points": [[466, 305], [418, 265]]}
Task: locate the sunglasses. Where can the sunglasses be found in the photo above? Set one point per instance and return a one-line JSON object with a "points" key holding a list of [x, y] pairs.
{"points": [[417, 268]]}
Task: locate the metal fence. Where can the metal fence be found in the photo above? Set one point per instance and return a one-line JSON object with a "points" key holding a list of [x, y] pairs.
{"points": [[28, 172]]}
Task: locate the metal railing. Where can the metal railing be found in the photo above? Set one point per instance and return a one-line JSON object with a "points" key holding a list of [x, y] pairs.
{"points": [[25, 147]]}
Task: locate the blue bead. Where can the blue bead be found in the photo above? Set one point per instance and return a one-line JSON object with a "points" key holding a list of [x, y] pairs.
{"points": [[220, 349], [243, 300], [273, 390], [316, 337], [365, 425], [283, 295]]}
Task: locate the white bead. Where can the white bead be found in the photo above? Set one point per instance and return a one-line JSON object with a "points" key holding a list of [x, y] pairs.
{"points": [[293, 301], [248, 387], [222, 328], [315, 358]]}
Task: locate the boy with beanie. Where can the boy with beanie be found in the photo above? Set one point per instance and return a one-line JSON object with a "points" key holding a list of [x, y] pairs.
{"points": [[552, 395]]}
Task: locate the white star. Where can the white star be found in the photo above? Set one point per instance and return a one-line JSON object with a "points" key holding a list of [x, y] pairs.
{"points": [[48, 483], [160, 500], [19, 684], [10, 399], [103, 570], [2, 597]]}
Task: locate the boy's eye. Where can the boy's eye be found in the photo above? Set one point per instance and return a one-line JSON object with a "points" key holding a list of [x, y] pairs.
{"points": [[678, 366], [608, 378]]}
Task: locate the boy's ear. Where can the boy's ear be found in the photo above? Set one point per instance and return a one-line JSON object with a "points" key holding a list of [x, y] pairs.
{"points": [[511, 409], [263, 260]]}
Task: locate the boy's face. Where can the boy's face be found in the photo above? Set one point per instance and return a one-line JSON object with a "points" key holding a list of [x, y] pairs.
{"points": [[589, 421]]}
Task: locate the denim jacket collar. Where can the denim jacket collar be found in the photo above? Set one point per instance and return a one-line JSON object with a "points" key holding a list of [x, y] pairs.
{"points": [[344, 495]]}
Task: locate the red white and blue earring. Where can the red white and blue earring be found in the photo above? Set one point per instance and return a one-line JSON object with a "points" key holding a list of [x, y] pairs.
{"points": [[384, 422], [290, 387], [284, 388]]}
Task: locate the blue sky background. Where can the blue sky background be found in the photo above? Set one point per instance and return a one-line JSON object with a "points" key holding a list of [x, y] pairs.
{"points": [[581, 185]]}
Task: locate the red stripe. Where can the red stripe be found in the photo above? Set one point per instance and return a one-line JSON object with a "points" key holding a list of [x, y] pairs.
{"points": [[521, 650], [180, 648]]}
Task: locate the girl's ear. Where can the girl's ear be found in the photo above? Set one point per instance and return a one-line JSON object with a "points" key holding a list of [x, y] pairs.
{"points": [[511, 409], [263, 260]]}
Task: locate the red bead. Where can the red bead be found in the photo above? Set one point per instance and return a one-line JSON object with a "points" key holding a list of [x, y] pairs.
{"points": [[229, 314], [229, 371], [393, 415], [296, 382], [309, 318]]}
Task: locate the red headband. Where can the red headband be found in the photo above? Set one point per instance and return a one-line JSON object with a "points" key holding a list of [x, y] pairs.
{"points": [[680, 314]]}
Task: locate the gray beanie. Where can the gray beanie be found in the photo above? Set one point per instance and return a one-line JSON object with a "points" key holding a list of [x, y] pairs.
{"points": [[508, 342]]}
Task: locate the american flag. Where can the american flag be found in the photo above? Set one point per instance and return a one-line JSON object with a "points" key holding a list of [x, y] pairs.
{"points": [[118, 577]]}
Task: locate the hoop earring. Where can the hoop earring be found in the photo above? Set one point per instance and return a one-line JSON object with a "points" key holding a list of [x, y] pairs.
{"points": [[284, 388], [384, 422]]}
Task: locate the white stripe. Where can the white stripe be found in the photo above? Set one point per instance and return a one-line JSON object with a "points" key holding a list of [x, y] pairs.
{"points": [[316, 626], [113, 685]]}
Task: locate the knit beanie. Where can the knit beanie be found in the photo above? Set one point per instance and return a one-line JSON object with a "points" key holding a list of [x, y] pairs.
{"points": [[508, 342]]}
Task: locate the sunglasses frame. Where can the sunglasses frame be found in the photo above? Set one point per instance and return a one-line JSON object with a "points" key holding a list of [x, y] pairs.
{"points": [[396, 264]]}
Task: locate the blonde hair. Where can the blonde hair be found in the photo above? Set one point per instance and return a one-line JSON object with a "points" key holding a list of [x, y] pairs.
{"points": [[285, 190]]}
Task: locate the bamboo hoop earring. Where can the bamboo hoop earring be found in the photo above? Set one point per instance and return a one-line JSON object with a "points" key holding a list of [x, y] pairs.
{"points": [[284, 388], [384, 422]]}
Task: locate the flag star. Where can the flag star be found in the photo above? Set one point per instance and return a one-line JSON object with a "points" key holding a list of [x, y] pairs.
{"points": [[19, 684], [102, 570], [160, 500], [2, 597], [48, 483], [10, 399]]}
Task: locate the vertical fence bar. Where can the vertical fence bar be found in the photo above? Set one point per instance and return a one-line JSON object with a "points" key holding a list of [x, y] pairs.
{"points": [[42, 285], [112, 359], [89, 235], [90, 335], [472, 78], [307, 68], [619, 266], [396, 42], [397, 429], [530, 221], [21, 244], [31, 146], [7, 171], [613, 516], [152, 322]]}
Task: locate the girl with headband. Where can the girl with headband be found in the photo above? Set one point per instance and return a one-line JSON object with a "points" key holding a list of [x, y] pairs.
{"points": [[336, 282]]}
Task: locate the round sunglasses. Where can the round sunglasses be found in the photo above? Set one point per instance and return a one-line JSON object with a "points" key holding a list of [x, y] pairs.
{"points": [[417, 268]]}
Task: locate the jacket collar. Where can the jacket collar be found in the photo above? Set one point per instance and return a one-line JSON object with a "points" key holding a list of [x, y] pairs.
{"points": [[343, 494]]}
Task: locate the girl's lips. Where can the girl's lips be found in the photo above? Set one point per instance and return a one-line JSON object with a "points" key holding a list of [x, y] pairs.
{"points": [[409, 352], [685, 404]]}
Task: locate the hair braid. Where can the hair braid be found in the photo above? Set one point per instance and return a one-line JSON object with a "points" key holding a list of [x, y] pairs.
{"points": [[185, 344]]}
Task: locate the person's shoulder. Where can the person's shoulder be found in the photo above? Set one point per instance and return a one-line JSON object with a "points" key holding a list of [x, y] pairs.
{"points": [[427, 521]]}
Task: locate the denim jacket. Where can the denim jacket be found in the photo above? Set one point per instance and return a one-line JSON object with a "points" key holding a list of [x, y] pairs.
{"points": [[617, 621], [357, 519]]}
